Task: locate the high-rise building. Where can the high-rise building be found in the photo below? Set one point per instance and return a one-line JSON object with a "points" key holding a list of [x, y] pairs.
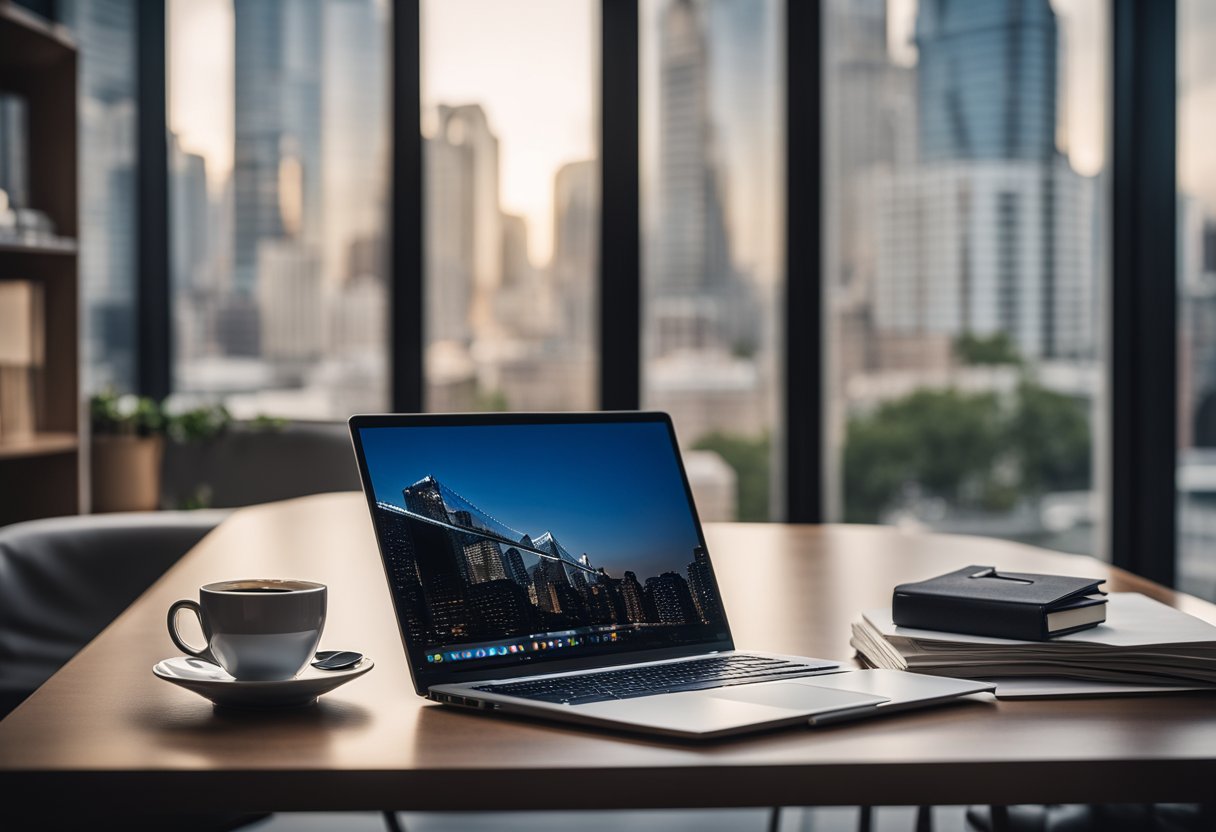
{"points": [[693, 252], [696, 300], [423, 498], [290, 303], [987, 79], [671, 599], [449, 237], [501, 608], [278, 128], [189, 216], [513, 564], [105, 30], [990, 232], [473, 219], [963, 248], [576, 212], [402, 568], [870, 127], [632, 593], [464, 227], [485, 560], [703, 588]]}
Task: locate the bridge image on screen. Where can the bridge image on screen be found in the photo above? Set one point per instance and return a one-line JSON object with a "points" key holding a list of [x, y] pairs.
{"points": [[461, 575]]}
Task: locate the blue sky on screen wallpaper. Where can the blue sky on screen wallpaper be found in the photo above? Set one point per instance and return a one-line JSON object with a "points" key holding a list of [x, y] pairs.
{"points": [[610, 490]]}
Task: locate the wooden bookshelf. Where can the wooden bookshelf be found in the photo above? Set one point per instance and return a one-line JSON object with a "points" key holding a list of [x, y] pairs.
{"points": [[40, 475], [64, 246], [42, 443]]}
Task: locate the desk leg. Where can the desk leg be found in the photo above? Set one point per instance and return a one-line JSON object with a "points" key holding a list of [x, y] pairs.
{"points": [[393, 823]]}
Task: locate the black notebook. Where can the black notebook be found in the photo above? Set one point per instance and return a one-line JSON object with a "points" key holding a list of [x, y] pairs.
{"points": [[983, 601]]}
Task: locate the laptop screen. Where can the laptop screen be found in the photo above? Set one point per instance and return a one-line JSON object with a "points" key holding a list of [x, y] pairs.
{"points": [[511, 542]]}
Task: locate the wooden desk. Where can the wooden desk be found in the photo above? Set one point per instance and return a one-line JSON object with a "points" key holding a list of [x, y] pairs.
{"points": [[105, 730]]}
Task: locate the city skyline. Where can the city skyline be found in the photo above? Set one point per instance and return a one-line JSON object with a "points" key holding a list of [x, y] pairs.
{"points": [[340, 346]]}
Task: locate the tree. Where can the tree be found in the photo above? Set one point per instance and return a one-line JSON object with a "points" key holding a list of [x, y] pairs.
{"points": [[974, 450], [946, 441], [749, 456], [995, 349], [1050, 432]]}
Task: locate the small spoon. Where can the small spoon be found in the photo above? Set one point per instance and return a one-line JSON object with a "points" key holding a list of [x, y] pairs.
{"points": [[336, 659]]}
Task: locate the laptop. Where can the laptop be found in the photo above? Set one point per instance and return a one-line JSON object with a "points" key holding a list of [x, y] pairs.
{"points": [[553, 566]]}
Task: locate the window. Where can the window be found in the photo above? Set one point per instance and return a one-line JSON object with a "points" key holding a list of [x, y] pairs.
{"points": [[278, 117], [1197, 299], [964, 158], [511, 208], [105, 31], [711, 138]]}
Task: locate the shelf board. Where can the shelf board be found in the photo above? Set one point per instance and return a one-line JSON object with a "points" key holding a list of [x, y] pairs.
{"points": [[31, 40], [40, 444], [66, 246]]}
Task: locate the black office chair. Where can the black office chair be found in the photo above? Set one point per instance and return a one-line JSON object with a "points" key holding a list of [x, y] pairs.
{"points": [[62, 580], [1129, 817]]}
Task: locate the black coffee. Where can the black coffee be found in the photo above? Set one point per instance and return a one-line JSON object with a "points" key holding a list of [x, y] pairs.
{"points": [[259, 589]]}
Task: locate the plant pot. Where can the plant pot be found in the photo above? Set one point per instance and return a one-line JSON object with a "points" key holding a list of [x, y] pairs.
{"points": [[126, 472]]}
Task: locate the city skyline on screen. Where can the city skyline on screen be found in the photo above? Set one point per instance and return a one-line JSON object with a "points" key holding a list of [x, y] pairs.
{"points": [[580, 531]]}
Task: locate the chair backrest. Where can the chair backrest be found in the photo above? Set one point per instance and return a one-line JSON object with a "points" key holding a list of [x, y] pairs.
{"points": [[62, 580]]}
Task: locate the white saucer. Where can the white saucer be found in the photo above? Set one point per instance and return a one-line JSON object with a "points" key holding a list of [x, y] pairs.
{"points": [[213, 682]]}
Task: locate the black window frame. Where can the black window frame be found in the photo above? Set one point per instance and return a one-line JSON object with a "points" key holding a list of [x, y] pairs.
{"points": [[1141, 499]]}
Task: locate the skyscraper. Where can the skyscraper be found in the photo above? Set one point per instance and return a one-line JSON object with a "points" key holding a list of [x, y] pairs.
{"points": [[987, 79], [463, 226], [277, 151], [189, 215], [480, 220], [703, 588], [105, 31], [576, 211], [693, 252], [696, 300], [990, 232], [290, 304], [632, 593], [671, 599]]}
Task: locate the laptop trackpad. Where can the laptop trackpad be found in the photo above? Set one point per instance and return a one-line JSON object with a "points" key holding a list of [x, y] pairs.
{"points": [[798, 697]]}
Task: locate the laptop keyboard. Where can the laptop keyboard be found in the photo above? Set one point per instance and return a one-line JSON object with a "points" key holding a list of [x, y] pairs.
{"points": [[673, 677]]}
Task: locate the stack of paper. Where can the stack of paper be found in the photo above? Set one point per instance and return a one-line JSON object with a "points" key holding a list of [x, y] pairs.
{"points": [[1142, 643]]}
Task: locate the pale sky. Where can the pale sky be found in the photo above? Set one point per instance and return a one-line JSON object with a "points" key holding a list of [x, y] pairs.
{"points": [[1197, 101], [200, 56], [533, 65]]}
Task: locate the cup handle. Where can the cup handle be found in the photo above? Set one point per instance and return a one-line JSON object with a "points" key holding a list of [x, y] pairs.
{"points": [[204, 653]]}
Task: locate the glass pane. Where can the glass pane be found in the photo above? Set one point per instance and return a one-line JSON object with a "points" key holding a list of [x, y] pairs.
{"points": [[509, 115], [278, 114], [965, 155], [711, 102], [1197, 298], [105, 32]]}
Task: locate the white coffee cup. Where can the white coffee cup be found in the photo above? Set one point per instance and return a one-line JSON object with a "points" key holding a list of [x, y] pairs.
{"points": [[257, 629]]}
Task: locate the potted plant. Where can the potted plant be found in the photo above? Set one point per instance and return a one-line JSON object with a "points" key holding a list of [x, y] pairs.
{"points": [[129, 434], [128, 444]]}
